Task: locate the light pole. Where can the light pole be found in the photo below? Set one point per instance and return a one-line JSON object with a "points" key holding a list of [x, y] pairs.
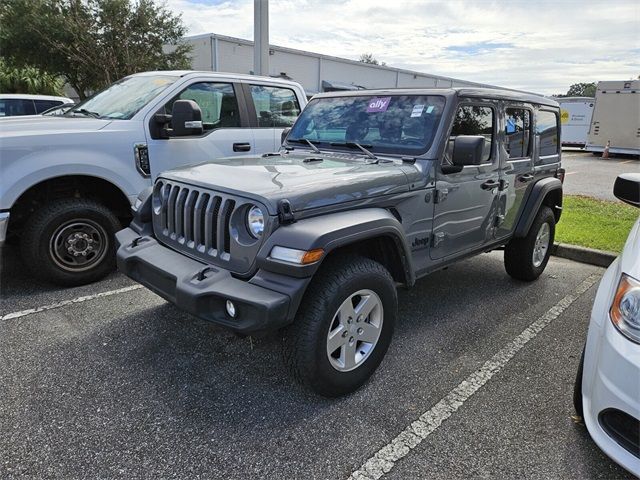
{"points": [[261, 37]]}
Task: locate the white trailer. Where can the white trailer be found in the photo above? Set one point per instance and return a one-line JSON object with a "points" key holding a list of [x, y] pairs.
{"points": [[575, 117], [616, 118]]}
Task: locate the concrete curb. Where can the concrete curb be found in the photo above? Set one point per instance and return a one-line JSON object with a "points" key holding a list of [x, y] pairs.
{"points": [[591, 256]]}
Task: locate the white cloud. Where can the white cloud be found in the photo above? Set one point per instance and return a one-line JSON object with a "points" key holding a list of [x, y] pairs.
{"points": [[536, 45]]}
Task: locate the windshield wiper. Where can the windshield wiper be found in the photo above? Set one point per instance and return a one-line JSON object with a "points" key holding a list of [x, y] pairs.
{"points": [[304, 140], [86, 112], [355, 145]]}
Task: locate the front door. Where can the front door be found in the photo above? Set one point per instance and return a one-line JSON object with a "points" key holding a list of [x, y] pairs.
{"points": [[225, 132], [466, 202]]}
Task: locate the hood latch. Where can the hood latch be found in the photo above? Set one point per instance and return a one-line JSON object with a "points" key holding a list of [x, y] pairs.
{"points": [[285, 214]]}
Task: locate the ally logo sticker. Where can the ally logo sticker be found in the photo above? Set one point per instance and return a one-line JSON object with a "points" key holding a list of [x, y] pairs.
{"points": [[378, 104]]}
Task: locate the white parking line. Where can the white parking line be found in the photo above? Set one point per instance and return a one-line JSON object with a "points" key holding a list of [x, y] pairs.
{"points": [[64, 303], [385, 459]]}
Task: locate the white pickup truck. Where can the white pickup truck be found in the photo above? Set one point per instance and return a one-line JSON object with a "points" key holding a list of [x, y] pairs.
{"points": [[67, 183]]}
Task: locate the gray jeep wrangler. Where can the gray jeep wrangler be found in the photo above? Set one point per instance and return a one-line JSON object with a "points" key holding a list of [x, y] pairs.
{"points": [[370, 190]]}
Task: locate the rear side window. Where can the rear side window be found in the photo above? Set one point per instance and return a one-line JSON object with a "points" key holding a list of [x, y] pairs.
{"points": [[275, 106], [473, 120], [216, 100], [517, 130], [42, 105], [547, 131], [11, 107]]}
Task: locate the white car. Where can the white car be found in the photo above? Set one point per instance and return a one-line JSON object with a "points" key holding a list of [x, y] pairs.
{"points": [[67, 182], [21, 104], [607, 391]]}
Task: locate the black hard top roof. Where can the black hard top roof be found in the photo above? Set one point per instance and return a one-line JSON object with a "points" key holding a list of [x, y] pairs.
{"points": [[488, 93]]}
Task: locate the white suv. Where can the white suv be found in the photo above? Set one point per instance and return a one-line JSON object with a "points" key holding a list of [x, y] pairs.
{"points": [[607, 389], [67, 182], [21, 104]]}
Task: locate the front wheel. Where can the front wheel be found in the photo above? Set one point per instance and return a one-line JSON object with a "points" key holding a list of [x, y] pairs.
{"points": [[70, 242], [526, 258], [344, 326]]}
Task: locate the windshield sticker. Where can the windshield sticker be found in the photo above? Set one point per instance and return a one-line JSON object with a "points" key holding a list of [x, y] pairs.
{"points": [[430, 109], [417, 111], [378, 104]]}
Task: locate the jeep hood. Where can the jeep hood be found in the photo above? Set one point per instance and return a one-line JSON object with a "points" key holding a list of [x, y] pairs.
{"points": [[305, 183], [43, 125]]}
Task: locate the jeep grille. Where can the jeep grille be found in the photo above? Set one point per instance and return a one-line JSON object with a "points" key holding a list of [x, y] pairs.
{"points": [[197, 221]]}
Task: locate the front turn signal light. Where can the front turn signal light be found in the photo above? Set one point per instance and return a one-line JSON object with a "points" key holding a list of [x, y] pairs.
{"points": [[293, 255]]}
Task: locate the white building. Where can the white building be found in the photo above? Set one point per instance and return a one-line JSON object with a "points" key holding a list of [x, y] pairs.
{"points": [[316, 72]]}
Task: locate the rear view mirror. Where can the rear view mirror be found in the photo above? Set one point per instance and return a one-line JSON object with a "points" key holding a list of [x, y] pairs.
{"points": [[627, 188], [284, 134], [468, 150], [186, 118]]}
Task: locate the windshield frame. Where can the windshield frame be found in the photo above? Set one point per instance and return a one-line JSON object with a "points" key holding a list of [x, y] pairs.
{"points": [[395, 151], [151, 95]]}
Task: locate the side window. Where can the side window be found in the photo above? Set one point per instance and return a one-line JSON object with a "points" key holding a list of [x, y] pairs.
{"points": [[275, 106], [11, 107], [216, 100], [517, 130], [547, 131], [42, 105], [473, 120]]}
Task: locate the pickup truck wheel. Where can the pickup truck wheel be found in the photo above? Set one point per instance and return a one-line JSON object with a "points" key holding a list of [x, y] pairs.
{"points": [[526, 258], [70, 242], [344, 326]]}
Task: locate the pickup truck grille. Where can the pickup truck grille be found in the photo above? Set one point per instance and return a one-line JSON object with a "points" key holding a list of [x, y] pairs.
{"points": [[197, 222]]}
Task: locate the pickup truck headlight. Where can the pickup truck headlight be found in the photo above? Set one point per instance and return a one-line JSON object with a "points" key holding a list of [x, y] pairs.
{"points": [[255, 221], [625, 311]]}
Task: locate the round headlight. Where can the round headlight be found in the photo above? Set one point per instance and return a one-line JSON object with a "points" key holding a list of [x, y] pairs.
{"points": [[255, 221]]}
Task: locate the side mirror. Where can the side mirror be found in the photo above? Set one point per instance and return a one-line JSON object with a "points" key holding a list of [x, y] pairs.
{"points": [[284, 134], [467, 150], [627, 188], [186, 118]]}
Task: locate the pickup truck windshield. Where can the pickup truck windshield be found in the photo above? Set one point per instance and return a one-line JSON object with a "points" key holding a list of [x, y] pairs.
{"points": [[123, 99], [391, 124]]}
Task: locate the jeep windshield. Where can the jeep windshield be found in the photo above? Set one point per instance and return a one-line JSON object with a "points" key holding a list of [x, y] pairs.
{"points": [[385, 124], [123, 99]]}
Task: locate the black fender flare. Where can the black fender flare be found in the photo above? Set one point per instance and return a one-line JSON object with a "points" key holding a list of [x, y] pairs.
{"points": [[534, 201], [333, 231]]}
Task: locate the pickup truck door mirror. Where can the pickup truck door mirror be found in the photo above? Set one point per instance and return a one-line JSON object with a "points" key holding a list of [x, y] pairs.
{"points": [[627, 188], [284, 134], [186, 118]]}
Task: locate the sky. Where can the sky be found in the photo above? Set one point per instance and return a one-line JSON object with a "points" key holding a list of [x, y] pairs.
{"points": [[536, 45]]}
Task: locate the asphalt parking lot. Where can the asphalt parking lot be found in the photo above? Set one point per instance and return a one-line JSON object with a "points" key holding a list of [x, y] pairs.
{"points": [[124, 385], [593, 176]]}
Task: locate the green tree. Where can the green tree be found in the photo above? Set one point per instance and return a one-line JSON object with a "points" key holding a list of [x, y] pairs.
{"points": [[92, 43], [28, 80], [370, 59], [581, 90]]}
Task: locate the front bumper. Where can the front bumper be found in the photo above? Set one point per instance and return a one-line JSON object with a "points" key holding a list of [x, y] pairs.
{"points": [[611, 379], [4, 225], [200, 289]]}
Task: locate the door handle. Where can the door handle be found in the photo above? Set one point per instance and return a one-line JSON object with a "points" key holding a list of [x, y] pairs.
{"points": [[241, 147], [490, 185], [527, 177]]}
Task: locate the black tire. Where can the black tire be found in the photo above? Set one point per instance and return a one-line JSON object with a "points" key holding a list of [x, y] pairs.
{"points": [[577, 388], [305, 347], [53, 221], [518, 253]]}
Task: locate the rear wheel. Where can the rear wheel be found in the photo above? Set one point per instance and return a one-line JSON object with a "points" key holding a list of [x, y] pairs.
{"points": [[70, 242], [526, 258], [344, 326]]}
